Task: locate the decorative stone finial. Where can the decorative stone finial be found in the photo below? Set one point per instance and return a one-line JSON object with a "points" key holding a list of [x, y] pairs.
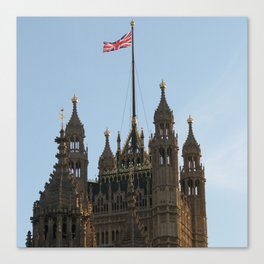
{"points": [[107, 132], [75, 99], [190, 119], [132, 23], [162, 85]]}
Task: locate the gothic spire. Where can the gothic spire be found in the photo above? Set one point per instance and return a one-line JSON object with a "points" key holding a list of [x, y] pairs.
{"points": [[107, 159], [75, 122], [163, 112], [191, 146]]}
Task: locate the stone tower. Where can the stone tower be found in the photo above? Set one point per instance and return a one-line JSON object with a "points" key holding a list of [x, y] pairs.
{"points": [[61, 218], [164, 152], [139, 200], [193, 186]]}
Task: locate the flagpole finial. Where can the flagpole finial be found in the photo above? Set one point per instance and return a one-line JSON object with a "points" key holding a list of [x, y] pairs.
{"points": [[132, 23]]}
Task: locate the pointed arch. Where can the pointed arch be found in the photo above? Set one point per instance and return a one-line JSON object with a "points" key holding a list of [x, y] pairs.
{"points": [[162, 156], [64, 228], [46, 229], [54, 228], [168, 157], [74, 143], [167, 127], [162, 130], [78, 169], [197, 187], [73, 228]]}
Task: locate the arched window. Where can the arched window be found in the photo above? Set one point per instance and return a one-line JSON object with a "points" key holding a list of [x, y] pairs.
{"points": [[54, 229], [162, 130], [113, 235], [162, 156], [117, 234], [77, 144], [73, 229], [190, 162], [102, 238], [72, 167], [167, 130], [106, 237], [190, 187], [197, 188], [64, 228], [169, 156], [78, 169], [74, 144], [46, 229], [97, 238]]}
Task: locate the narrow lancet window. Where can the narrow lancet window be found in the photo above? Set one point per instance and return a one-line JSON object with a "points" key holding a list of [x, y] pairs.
{"points": [[78, 169], [161, 130], [74, 144], [169, 156], [167, 130], [162, 156]]}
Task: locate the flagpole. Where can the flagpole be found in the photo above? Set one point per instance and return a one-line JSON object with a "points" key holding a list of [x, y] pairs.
{"points": [[133, 77], [134, 120]]}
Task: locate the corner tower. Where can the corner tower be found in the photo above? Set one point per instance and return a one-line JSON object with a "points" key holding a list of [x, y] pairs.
{"points": [[164, 151], [193, 186], [61, 217], [78, 155]]}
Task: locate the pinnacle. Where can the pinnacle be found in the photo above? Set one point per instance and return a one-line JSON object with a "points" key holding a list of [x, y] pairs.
{"points": [[163, 111], [74, 122], [191, 143]]}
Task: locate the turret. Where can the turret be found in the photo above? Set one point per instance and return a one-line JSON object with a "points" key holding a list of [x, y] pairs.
{"points": [[193, 186], [62, 216], [164, 157]]}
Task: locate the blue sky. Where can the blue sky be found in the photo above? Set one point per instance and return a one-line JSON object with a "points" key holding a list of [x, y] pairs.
{"points": [[202, 60]]}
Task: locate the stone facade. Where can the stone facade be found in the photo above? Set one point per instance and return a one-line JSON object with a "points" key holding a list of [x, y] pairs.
{"points": [[141, 198]]}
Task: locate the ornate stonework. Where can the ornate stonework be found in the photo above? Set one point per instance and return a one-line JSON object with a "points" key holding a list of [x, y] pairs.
{"points": [[141, 198]]}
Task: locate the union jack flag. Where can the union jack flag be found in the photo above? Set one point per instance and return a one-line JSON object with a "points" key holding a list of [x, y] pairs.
{"points": [[124, 42]]}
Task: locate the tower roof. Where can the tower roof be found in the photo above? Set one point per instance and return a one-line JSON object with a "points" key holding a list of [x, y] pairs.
{"points": [[191, 146], [74, 125], [107, 159], [163, 111]]}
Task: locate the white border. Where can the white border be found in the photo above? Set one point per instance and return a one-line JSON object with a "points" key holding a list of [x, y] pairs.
{"points": [[10, 9]]}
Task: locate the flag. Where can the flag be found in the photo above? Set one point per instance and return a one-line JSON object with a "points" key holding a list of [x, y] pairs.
{"points": [[124, 42]]}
